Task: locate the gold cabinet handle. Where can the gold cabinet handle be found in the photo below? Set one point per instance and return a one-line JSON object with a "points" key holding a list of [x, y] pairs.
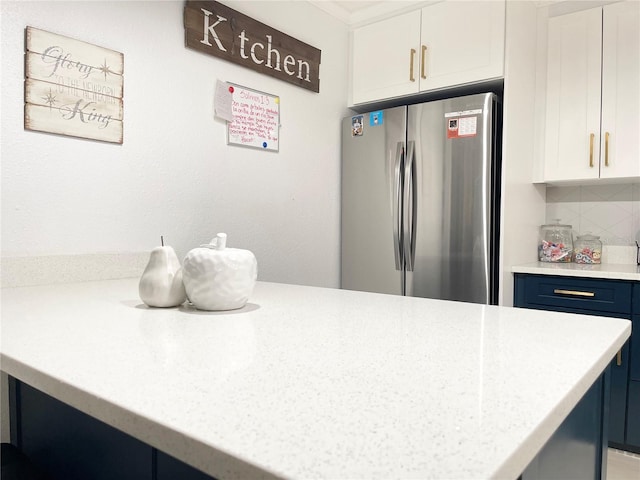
{"points": [[576, 293], [619, 358], [422, 67], [606, 149], [413, 54], [591, 150]]}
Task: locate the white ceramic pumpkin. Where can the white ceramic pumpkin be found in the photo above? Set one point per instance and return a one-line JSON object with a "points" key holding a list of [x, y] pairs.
{"points": [[219, 278]]}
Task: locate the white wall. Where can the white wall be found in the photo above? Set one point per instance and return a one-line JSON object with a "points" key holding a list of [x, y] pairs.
{"points": [[523, 203], [610, 211], [174, 175]]}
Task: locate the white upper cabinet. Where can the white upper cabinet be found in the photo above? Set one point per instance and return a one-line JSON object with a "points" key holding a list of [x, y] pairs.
{"points": [[445, 44], [572, 137], [384, 58], [461, 42], [593, 80], [621, 91]]}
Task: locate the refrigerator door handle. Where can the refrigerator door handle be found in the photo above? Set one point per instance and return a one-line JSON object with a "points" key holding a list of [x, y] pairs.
{"points": [[397, 205], [409, 207]]}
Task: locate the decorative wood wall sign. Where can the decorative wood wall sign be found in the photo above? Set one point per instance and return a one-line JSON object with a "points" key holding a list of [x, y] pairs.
{"points": [[72, 87], [218, 30]]}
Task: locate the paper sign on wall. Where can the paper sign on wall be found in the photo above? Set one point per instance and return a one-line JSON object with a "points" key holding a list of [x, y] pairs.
{"points": [[256, 119], [223, 101]]}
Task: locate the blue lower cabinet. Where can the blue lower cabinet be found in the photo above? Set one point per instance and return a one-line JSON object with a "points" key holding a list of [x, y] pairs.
{"points": [[67, 444], [619, 370], [633, 400], [607, 298], [635, 345], [576, 449], [171, 469], [633, 416]]}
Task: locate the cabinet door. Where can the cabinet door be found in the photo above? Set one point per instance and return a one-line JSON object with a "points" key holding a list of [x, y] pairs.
{"points": [[635, 347], [620, 155], [169, 468], [70, 445], [461, 42], [619, 370], [572, 138], [385, 58], [633, 416]]}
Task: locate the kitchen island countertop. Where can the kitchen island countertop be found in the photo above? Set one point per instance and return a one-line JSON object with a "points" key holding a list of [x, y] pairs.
{"points": [[308, 382]]}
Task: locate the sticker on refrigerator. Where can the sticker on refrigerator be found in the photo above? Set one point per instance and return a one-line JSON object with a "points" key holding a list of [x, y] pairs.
{"points": [[463, 113], [375, 118], [462, 127], [357, 124]]}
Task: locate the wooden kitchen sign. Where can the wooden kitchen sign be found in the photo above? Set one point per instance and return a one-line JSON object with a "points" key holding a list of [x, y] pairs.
{"points": [[72, 87], [218, 30]]}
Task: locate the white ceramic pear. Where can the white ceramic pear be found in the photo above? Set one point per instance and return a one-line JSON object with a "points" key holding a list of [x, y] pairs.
{"points": [[219, 278], [161, 283]]}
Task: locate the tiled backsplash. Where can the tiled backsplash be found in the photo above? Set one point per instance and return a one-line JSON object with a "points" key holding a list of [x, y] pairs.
{"points": [[610, 211]]}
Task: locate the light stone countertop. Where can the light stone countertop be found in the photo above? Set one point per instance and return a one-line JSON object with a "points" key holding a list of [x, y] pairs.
{"points": [[310, 382], [609, 271]]}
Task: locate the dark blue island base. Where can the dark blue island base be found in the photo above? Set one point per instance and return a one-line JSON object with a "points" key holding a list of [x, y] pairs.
{"points": [[67, 444]]}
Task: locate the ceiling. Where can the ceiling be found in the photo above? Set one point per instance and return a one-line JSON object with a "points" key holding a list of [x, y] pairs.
{"points": [[358, 12], [355, 5], [355, 12]]}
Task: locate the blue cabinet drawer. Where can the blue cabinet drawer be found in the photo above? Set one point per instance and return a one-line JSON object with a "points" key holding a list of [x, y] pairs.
{"points": [[575, 293]]}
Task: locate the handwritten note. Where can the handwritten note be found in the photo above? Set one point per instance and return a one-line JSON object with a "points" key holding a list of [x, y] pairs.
{"points": [[256, 119]]}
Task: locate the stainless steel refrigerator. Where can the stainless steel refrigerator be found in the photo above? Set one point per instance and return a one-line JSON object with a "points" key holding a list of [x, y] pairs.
{"points": [[420, 200]]}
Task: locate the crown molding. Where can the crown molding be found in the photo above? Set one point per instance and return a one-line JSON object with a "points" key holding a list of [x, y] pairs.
{"points": [[369, 14], [386, 9], [332, 9]]}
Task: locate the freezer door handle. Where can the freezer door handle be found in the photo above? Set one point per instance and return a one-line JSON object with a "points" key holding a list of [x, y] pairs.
{"points": [[409, 207], [397, 205]]}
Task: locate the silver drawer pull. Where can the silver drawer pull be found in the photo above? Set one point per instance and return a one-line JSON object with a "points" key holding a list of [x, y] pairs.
{"points": [[576, 293]]}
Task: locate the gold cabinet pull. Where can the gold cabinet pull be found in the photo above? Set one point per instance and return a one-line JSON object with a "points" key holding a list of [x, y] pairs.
{"points": [[591, 150], [606, 149], [576, 293], [619, 358], [422, 67], [413, 54]]}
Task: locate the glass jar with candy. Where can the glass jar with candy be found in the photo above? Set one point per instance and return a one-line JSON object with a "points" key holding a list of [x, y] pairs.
{"points": [[555, 243], [587, 249]]}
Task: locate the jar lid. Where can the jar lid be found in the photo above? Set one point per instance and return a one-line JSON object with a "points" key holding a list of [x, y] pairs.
{"points": [[588, 236], [556, 225]]}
